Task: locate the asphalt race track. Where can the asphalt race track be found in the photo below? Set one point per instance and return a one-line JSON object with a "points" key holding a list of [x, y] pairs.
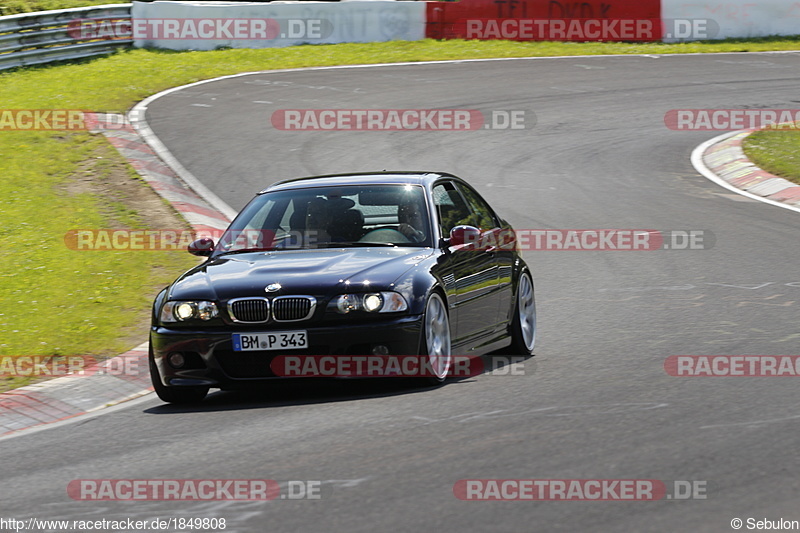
{"points": [[594, 403]]}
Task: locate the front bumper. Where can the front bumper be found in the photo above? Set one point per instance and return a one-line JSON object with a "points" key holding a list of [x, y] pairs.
{"points": [[212, 362]]}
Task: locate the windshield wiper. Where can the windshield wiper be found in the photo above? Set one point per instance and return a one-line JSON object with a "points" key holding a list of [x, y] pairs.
{"points": [[247, 250], [359, 244], [315, 246]]}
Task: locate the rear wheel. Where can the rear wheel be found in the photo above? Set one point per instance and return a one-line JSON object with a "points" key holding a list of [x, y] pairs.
{"points": [[174, 394], [436, 340], [523, 326]]}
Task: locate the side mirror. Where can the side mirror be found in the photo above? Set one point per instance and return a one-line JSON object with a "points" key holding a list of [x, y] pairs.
{"points": [[202, 247], [461, 235]]}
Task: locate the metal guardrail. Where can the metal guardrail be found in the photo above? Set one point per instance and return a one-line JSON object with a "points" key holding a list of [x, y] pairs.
{"points": [[45, 36]]}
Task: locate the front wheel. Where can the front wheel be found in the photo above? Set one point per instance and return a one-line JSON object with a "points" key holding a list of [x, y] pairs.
{"points": [[173, 394], [436, 340], [523, 326]]}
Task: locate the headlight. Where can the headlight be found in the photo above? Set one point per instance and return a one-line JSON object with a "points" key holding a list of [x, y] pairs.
{"points": [[372, 302], [346, 303], [182, 311], [185, 310]]}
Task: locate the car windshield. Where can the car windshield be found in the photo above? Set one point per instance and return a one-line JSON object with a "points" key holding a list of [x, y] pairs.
{"points": [[326, 217]]}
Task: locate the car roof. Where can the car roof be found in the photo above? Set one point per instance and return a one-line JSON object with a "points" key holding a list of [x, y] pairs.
{"points": [[361, 178]]}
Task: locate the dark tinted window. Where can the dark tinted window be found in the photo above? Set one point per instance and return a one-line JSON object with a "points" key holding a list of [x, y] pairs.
{"points": [[329, 217], [451, 208], [483, 217]]}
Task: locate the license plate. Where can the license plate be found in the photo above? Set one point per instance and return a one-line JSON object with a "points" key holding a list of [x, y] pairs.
{"points": [[274, 340]]}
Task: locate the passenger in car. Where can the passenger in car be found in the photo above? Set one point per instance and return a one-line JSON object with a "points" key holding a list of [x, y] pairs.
{"points": [[317, 221]]}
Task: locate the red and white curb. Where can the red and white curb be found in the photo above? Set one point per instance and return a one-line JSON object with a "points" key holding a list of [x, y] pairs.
{"points": [[70, 396], [136, 143], [111, 382], [722, 160]]}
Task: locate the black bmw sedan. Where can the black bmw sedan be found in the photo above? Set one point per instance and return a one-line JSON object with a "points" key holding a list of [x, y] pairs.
{"points": [[376, 264]]}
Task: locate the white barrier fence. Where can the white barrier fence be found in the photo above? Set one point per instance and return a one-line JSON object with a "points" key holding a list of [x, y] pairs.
{"points": [[45, 36], [195, 26], [739, 18]]}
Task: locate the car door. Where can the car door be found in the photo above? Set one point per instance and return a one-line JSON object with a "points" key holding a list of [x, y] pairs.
{"points": [[494, 242], [473, 273]]}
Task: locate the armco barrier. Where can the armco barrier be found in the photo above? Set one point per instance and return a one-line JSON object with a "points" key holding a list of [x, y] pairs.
{"points": [[280, 24], [739, 18], [524, 20], [45, 36]]}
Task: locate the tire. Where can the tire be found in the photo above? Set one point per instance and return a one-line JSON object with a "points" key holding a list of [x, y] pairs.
{"points": [[523, 325], [174, 394], [435, 340]]}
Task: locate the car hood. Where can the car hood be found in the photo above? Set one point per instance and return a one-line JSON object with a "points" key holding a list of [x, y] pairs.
{"points": [[314, 272]]}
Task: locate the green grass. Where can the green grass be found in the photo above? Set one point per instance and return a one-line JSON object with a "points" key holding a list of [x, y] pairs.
{"points": [[116, 82], [13, 7], [56, 301], [776, 151]]}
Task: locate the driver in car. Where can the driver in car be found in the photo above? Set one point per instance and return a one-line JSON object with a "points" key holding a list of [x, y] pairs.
{"points": [[411, 223]]}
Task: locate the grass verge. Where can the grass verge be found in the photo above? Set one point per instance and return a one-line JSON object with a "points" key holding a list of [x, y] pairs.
{"points": [[114, 83], [58, 301], [14, 7], [776, 151], [62, 302]]}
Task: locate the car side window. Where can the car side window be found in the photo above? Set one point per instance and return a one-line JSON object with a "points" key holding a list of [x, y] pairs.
{"points": [[482, 215], [451, 208]]}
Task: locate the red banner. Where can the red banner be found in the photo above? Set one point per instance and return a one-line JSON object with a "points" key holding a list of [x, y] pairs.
{"points": [[551, 20]]}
